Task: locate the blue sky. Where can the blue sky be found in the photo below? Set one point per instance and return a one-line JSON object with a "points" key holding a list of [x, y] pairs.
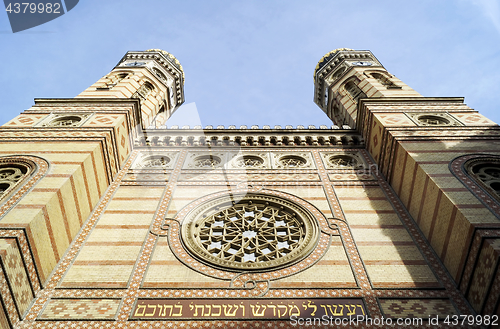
{"points": [[252, 62]]}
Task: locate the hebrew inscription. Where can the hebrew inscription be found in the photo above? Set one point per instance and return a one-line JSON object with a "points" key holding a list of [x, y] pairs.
{"points": [[254, 309]]}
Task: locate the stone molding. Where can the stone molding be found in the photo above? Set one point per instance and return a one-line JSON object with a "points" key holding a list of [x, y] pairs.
{"points": [[250, 138]]}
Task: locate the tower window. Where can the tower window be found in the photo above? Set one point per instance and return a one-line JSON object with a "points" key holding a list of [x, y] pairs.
{"points": [[432, 120], [158, 161], [383, 80], [480, 173], [65, 121], [144, 91], [112, 81], [353, 90]]}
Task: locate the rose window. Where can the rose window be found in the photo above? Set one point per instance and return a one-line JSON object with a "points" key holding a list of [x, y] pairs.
{"points": [[156, 161], [65, 121], [343, 161], [259, 232], [292, 161], [249, 161], [206, 161]]}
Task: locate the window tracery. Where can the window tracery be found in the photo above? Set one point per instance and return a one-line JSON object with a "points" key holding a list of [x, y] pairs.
{"points": [[207, 161], [292, 161], [354, 91], [65, 121], [158, 161], [480, 173], [144, 91], [486, 172], [10, 176], [343, 162], [13, 172], [249, 161], [259, 232], [432, 120]]}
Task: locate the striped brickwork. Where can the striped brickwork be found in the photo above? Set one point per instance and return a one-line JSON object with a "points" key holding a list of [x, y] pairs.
{"points": [[417, 161], [56, 208], [75, 166], [370, 87], [126, 89], [391, 257]]}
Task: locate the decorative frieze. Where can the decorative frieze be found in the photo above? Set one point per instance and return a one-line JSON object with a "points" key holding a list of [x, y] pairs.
{"points": [[249, 138]]}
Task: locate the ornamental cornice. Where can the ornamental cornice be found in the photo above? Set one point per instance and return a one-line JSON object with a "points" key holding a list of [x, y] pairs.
{"points": [[249, 138]]}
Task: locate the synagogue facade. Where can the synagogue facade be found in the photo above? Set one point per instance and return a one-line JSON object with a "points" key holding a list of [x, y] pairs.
{"points": [[110, 219]]}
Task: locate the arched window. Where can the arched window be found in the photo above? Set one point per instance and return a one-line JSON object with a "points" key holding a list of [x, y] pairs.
{"points": [[383, 80], [338, 73], [144, 91], [112, 81], [354, 91], [10, 176], [14, 171], [480, 173], [486, 172]]}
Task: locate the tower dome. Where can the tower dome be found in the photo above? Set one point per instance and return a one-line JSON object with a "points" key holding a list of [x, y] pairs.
{"points": [[172, 59], [327, 57]]}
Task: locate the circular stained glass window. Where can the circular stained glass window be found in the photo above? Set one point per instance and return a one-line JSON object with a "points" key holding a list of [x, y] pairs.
{"points": [[249, 161], [343, 162], [207, 161], [433, 120], [292, 161], [65, 121], [156, 161], [259, 232]]}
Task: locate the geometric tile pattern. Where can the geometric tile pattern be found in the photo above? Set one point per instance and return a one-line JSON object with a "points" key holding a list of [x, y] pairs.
{"points": [[4, 323], [483, 274], [416, 308], [9, 310], [394, 119], [473, 119], [10, 258], [88, 309], [25, 120]]}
